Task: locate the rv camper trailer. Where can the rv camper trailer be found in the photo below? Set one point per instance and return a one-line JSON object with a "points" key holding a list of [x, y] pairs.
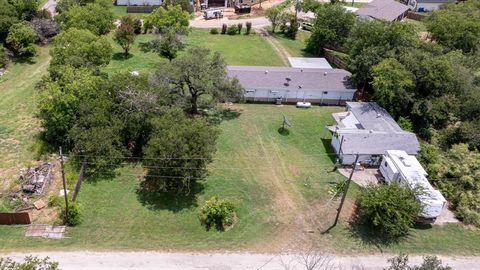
{"points": [[398, 166]]}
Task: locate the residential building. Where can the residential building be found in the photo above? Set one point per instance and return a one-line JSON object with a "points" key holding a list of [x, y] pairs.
{"points": [[368, 130], [387, 10], [291, 85]]}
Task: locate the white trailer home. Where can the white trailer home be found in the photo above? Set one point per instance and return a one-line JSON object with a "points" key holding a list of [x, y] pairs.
{"points": [[398, 166], [368, 130], [292, 85]]}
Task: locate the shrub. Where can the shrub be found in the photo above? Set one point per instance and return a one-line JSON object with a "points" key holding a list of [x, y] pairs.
{"points": [[20, 39], [3, 57], [390, 210], [217, 212], [405, 123], [232, 30], [224, 29], [74, 217], [400, 262], [214, 31], [137, 26], [29, 263], [248, 25], [239, 26], [55, 200]]}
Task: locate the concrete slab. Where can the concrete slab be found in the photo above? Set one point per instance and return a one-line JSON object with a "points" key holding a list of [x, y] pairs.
{"points": [[309, 62], [363, 176]]}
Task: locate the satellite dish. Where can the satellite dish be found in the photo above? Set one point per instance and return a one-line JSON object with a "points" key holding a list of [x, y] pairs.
{"points": [[286, 122]]}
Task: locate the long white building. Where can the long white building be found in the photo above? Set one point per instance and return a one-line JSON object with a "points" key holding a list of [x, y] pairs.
{"points": [[291, 85]]}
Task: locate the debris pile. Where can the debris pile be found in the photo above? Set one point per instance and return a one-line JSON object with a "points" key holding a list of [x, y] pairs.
{"points": [[35, 179]]}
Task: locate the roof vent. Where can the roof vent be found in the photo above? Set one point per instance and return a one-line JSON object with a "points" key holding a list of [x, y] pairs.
{"points": [[299, 87], [405, 162], [288, 79], [286, 84], [371, 131], [379, 115], [266, 71], [301, 70], [325, 73]]}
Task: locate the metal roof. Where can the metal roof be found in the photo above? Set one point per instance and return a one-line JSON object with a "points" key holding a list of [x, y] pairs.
{"points": [[288, 78], [309, 62], [369, 129], [388, 10], [436, 1]]}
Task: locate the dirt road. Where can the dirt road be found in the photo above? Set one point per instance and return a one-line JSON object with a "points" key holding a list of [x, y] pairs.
{"points": [[215, 261], [50, 6]]}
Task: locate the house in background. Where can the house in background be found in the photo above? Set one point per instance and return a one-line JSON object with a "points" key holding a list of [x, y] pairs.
{"points": [[387, 10], [368, 130], [138, 2], [431, 5], [292, 85]]}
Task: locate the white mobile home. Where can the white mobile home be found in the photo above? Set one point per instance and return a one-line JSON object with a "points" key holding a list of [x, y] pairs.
{"points": [[368, 130], [292, 85], [398, 166]]}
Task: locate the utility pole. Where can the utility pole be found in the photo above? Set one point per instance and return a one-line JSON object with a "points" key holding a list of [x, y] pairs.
{"points": [[344, 195], [64, 184]]}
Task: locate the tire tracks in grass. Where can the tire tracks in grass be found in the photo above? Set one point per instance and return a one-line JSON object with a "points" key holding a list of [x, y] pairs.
{"points": [[277, 47]]}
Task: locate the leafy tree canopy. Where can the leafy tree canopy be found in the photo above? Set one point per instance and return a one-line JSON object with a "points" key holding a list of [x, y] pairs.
{"points": [[80, 48], [125, 33], [93, 17], [20, 39], [171, 17]]}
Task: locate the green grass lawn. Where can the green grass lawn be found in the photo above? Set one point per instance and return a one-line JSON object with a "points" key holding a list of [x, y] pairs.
{"points": [[120, 11], [236, 50], [18, 125], [295, 47], [255, 166]]}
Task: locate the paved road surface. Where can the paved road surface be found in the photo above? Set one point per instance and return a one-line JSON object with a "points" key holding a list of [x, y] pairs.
{"points": [[79, 260]]}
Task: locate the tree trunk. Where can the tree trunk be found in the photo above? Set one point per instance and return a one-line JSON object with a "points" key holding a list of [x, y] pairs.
{"points": [[194, 107]]}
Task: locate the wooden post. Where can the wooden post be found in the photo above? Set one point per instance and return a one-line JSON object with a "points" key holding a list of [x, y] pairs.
{"points": [[344, 195], [64, 184], [81, 174]]}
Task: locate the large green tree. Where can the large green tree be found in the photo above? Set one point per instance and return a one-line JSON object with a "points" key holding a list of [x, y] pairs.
{"points": [[60, 97], [392, 84], [331, 28], [197, 74], [168, 18], [178, 152], [92, 16], [80, 48], [457, 26], [26, 9], [167, 45], [8, 17]]}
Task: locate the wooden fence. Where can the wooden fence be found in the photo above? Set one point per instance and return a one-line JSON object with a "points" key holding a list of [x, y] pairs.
{"points": [[332, 58], [15, 218], [416, 16], [140, 9]]}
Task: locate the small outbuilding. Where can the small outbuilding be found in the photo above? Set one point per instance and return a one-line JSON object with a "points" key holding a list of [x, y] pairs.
{"points": [[387, 10], [368, 130], [292, 85]]}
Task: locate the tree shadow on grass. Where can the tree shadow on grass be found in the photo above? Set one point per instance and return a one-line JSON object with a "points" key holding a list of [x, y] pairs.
{"points": [[284, 131], [121, 56], [368, 236], [24, 60], [174, 202], [218, 116], [329, 149]]}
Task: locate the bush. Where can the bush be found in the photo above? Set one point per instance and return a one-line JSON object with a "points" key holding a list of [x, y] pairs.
{"points": [[214, 31], [217, 212], [390, 210], [232, 30], [55, 200], [74, 217], [20, 39], [3, 57], [137, 26], [29, 263], [405, 123], [248, 25], [400, 262], [224, 29], [239, 26]]}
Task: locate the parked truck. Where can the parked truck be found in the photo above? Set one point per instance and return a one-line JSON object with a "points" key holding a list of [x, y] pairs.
{"points": [[397, 166]]}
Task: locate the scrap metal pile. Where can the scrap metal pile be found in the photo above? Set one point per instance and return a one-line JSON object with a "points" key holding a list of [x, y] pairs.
{"points": [[35, 179]]}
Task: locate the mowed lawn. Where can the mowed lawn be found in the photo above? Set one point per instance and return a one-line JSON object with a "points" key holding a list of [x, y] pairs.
{"points": [[236, 50], [272, 179], [18, 125]]}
